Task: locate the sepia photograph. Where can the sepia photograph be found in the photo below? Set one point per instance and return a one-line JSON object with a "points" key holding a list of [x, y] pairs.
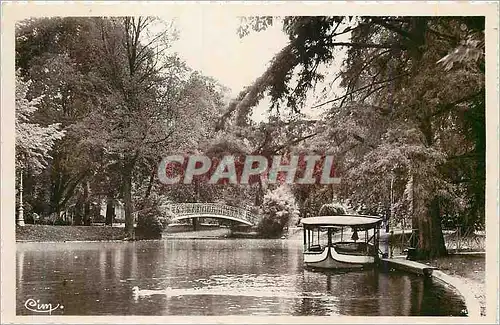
{"points": [[200, 162]]}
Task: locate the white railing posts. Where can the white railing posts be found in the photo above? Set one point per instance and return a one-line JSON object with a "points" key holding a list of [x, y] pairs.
{"points": [[194, 209]]}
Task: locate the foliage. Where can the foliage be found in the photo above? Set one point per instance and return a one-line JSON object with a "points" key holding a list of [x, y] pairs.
{"points": [[411, 113], [196, 115], [469, 51], [59, 56], [332, 209], [256, 23], [407, 127], [278, 210], [153, 218], [149, 226], [33, 141], [123, 99]]}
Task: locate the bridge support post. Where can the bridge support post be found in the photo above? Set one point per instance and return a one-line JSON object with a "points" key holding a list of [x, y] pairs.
{"points": [[195, 223]]}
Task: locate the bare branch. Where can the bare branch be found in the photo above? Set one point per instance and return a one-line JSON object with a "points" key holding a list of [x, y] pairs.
{"points": [[290, 143], [358, 90]]}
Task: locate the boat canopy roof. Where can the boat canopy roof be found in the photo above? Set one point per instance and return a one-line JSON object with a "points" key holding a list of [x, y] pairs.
{"points": [[342, 220]]}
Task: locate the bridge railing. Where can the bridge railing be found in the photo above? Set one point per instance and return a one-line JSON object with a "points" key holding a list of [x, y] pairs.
{"points": [[185, 209]]}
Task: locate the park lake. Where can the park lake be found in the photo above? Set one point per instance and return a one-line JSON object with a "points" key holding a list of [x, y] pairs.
{"points": [[213, 277]]}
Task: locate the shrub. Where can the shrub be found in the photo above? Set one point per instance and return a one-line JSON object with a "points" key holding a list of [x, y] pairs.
{"points": [[278, 210], [61, 222], [28, 218], [149, 226], [98, 218], [332, 209], [152, 220]]}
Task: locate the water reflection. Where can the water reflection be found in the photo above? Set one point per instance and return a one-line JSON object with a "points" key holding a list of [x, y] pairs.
{"points": [[212, 277]]}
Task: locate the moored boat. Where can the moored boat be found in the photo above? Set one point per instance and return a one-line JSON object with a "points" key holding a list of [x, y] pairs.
{"points": [[341, 241]]}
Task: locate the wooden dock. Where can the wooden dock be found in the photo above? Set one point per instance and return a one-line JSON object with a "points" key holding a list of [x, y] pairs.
{"points": [[407, 266]]}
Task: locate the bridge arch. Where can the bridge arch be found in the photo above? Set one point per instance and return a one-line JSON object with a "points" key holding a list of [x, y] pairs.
{"points": [[212, 216], [212, 210]]}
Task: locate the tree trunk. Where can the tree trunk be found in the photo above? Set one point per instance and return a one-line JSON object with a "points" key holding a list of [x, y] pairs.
{"points": [[127, 197], [110, 210], [196, 191], [150, 185], [426, 206], [259, 197], [86, 204], [55, 197], [430, 236], [86, 214], [426, 223], [77, 220]]}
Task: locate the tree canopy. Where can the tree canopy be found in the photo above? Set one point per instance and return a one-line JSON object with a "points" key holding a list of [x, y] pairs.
{"points": [[34, 142], [120, 95], [412, 110]]}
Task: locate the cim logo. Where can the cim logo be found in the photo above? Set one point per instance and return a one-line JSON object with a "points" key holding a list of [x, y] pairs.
{"points": [[37, 307]]}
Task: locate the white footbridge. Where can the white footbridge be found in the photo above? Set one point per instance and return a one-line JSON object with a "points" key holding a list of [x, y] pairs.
{"points": [[181, 211]]}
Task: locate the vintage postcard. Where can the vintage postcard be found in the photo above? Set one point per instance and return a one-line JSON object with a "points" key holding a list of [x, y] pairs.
{"points": [[241, 162]]}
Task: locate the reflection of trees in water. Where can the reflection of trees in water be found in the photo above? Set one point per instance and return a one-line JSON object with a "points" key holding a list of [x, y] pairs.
{"points": [[79, 276], [411, 295], [431, 294], [19, 268], [217, 257], [394, 294], [193, 259], [416, 295], [19, 275], [358, 292], [149, 260], [311, 306], [367, 292], [318, 282], [246, 266]]}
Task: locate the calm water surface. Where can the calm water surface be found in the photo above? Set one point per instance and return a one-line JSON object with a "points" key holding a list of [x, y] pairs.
{"points": [[212, 277]]}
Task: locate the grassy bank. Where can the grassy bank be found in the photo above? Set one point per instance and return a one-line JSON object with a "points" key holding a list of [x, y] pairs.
{"points": [[43, 233]]}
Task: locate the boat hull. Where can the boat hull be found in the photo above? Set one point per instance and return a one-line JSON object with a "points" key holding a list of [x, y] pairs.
{"points": [[329, 258]]}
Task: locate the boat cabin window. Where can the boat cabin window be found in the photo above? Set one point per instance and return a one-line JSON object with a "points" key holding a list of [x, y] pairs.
{"points": [[315, 239], [346, 239]]}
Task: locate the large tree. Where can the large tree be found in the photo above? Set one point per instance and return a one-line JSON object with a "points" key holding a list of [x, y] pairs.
{"points": [[59, 55], [133, 122]]}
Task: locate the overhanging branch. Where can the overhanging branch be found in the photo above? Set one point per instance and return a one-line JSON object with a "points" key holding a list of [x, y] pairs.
{"points": [[358, 90]]}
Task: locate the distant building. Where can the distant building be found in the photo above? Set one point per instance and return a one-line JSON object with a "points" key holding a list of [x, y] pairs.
{"points": [[119, 211]]}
